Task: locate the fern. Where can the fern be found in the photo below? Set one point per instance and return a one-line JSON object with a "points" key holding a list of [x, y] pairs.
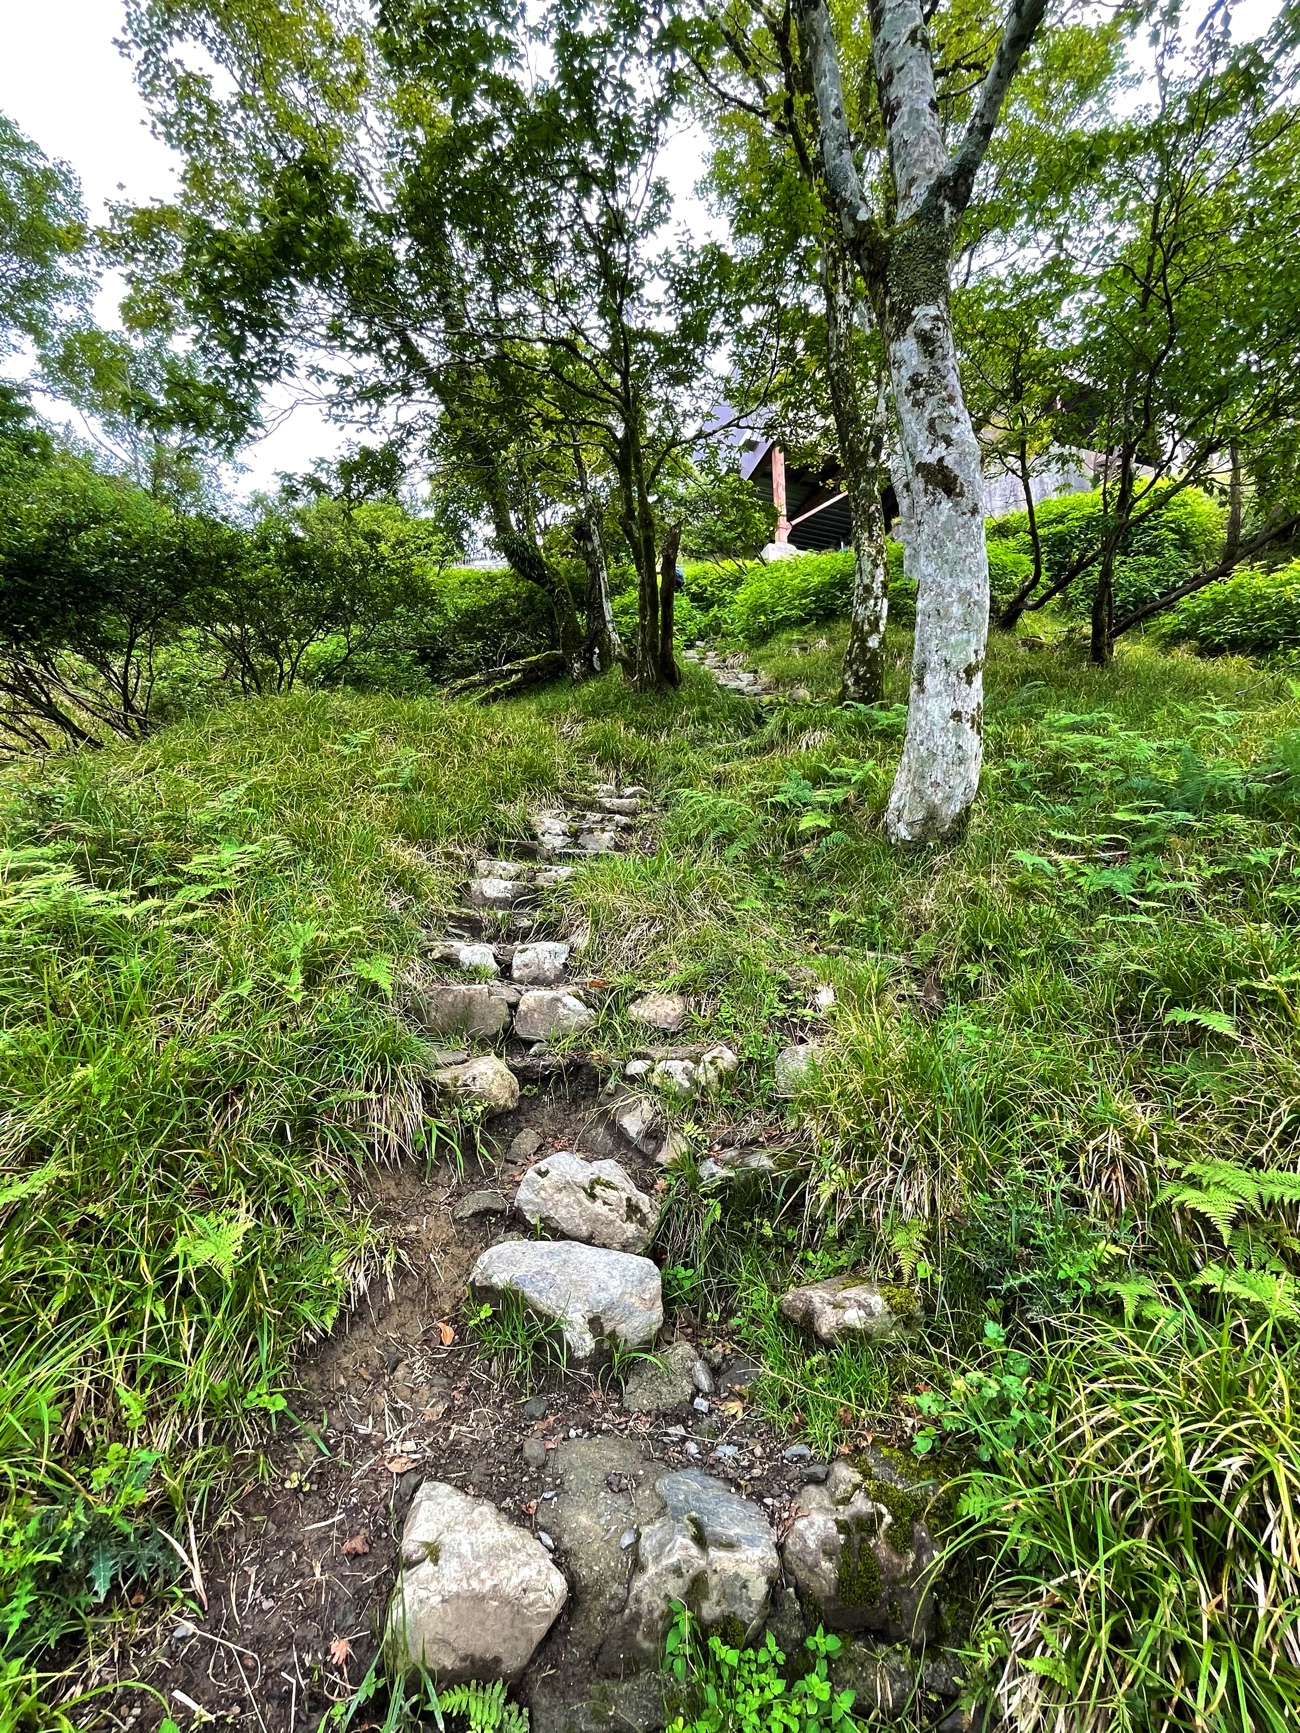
{"points": [[1221, 1191], [484, 1707], [1271, 1292]]}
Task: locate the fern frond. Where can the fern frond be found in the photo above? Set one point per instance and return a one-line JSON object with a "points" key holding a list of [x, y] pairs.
{"points": [[484, 1707]]}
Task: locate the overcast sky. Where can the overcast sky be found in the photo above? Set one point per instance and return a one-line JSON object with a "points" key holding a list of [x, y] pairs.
{"points": [[66, 86]]}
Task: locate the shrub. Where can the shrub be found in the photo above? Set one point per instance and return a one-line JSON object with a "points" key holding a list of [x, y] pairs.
{"points": [[478, 619], [1157, 554], [819, 587], [1251, 613]]}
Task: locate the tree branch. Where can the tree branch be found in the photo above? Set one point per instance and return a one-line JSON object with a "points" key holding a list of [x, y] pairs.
{"points": [[1244, 552], [955, 185]]}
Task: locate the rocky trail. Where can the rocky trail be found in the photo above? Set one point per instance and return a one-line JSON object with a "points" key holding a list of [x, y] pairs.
{"points": [[428, 1504]]}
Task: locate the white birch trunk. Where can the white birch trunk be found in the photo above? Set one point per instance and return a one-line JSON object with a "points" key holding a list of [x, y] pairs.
{"points": [[938, 774], [905, 266]]}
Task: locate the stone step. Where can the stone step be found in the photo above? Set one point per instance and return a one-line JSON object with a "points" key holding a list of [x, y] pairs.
{"points": [[592, 1201], [600, 1299]]}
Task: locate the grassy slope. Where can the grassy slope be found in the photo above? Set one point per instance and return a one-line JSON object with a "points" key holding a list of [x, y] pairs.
{"points": [[195, 1072]]}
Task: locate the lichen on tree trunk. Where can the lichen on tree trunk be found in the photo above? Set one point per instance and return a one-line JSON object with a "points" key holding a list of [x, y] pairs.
{"points": [[861, 432]]}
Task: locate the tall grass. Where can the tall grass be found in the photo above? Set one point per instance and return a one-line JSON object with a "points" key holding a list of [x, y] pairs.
{"points": [[1144, 1545]]}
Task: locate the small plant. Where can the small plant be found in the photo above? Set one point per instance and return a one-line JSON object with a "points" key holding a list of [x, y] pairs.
{"points": [[1001, 1408], [483, 1708], [746, 1690], [522, 1342]]}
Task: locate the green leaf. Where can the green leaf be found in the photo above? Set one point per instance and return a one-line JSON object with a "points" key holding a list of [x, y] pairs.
{"points": [[1218, 1021]]}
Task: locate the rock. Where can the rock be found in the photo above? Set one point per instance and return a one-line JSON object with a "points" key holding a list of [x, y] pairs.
{"points": [[524, 1145], [547, 1013], [673, 1076], [634, 791], [540, 965], [597, 841], [680, 1536], [667, 1381], [860, 1549], [534, 1453], [638, 1067], [665, 1011], [638, 1120], [626, 805], [702, 1378], [487, 1081], [499, 869], [480, 958], [848, 1306], [592, 1201], [737, 1375], [476, 1594], [495, 893], [605, 1489], [795, 1066], [479, 1010], [481, 1203], [824, 997], [674, 1146], [713, 1066], [552, 830], [579, 1704], [550, 878], [600, 1298], [730, 1165], [711, 1549], [800, 695], [796, 1453]]}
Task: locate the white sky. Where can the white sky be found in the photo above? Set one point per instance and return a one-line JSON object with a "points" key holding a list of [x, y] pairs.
{"points": [[66, 86]]}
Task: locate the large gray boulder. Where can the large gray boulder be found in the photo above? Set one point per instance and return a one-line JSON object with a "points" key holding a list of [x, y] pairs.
{"points": [[487, 1083], [711, 1549], [592, 1201], [861, 1551], [476, 1594], [849, 1306], [462, 1007], [546, 1014], [600, 1299]]}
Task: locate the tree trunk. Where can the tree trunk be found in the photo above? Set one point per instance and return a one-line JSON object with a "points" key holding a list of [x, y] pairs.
{"points": [[938, 774], [861, 434], [602, 647], [905, 267], [668, 671]]}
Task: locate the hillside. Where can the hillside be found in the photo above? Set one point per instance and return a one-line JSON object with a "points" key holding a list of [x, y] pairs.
{"points": [[1044, 1107]]}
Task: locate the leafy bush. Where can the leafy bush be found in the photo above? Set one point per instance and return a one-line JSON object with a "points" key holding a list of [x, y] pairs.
{"points": [[1145, 1534], [1161, 552], [1251, 613], [477, 619], [816, 588]]}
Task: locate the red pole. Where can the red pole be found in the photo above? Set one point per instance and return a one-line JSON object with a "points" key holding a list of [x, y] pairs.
{"points": [[778, 494]]}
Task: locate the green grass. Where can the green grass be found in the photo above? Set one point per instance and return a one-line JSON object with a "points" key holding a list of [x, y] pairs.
{"points": [[1044, 1037]]}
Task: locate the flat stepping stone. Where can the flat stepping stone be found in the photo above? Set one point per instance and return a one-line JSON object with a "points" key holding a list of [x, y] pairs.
{"points": [[597, 841], [474, 955], [600, 1299], [476, 1593], [498, 893], [592, 1201], [481, 1203], [486, 1082], [541, 964], [664, 1011], [471, 1008], [545, 1014], [502, 869]]}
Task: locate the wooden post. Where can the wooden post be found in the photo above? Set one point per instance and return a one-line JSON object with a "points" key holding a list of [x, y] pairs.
{"points": [[778, 494]]}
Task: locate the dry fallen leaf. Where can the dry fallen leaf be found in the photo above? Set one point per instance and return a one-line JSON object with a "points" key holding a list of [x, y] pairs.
{"points": [[399, 1464], [355, 1545], [446, 1335], [340, 1651], [530, 1509]]}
